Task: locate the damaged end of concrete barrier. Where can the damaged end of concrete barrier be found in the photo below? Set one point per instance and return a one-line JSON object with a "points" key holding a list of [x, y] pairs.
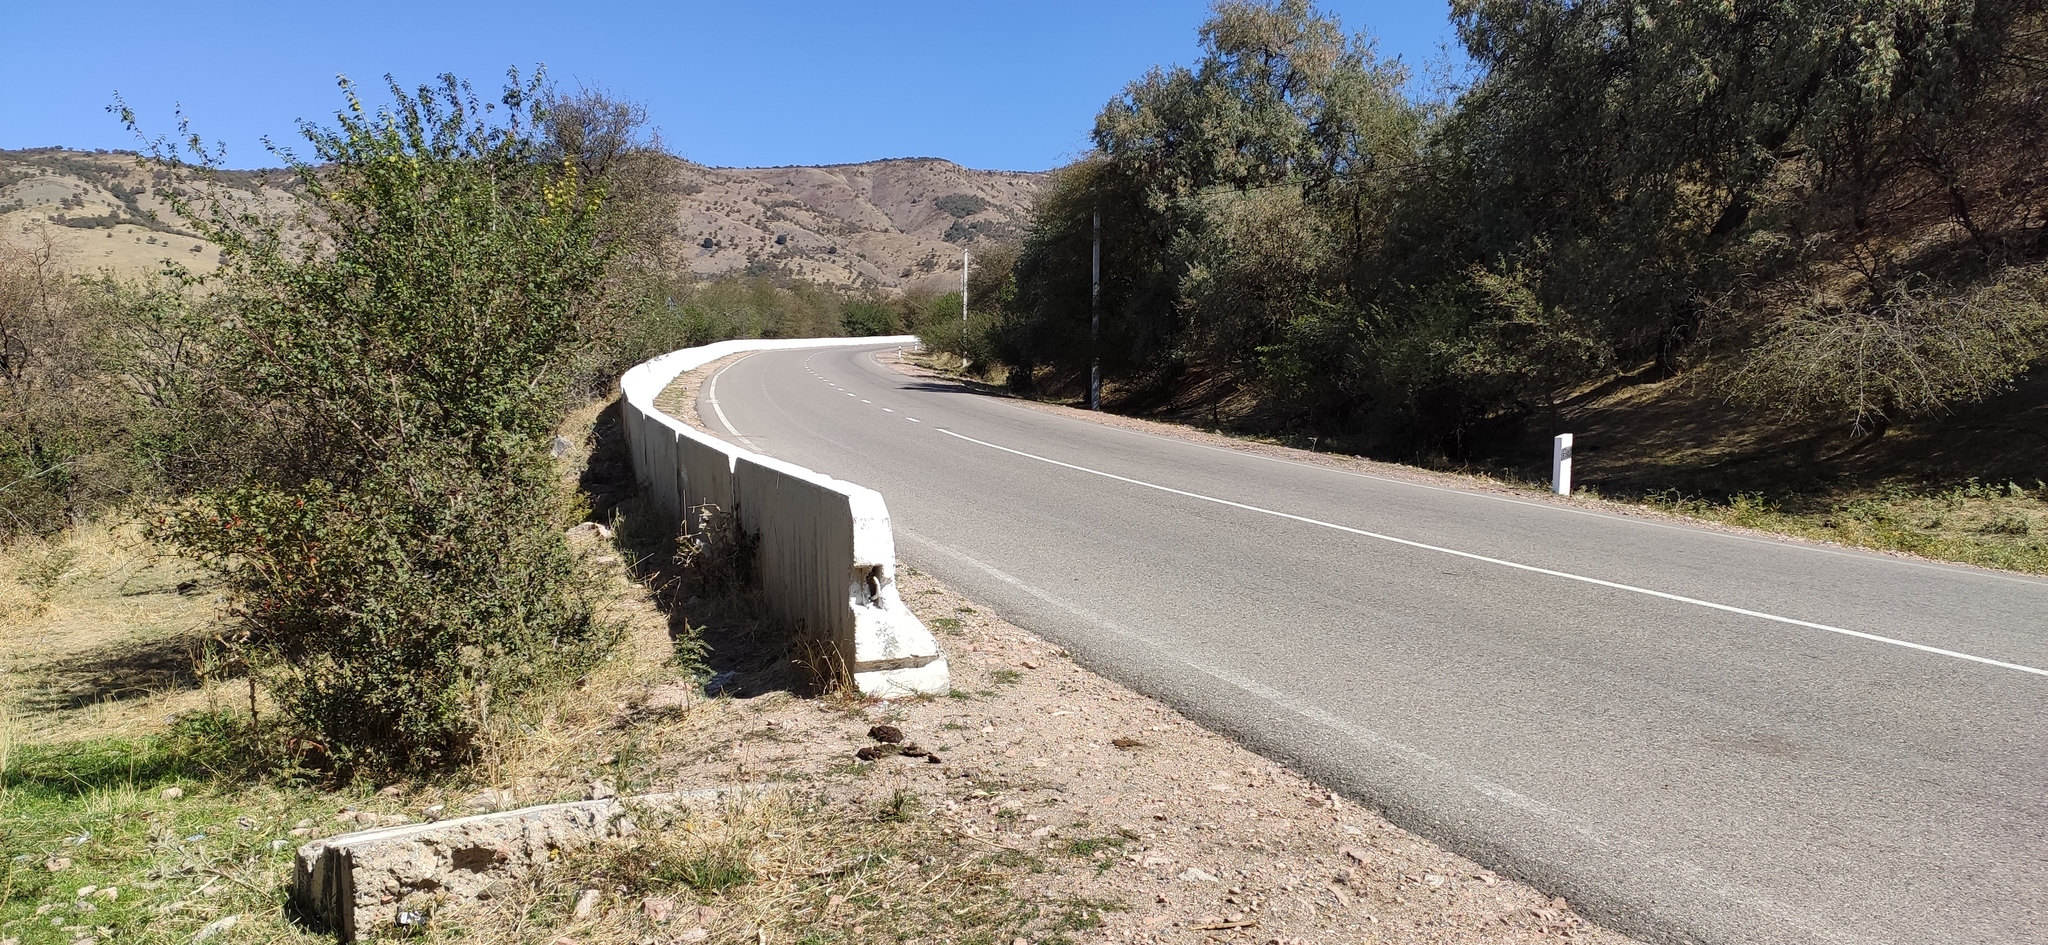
{"points": [[358, 884], [893, 654]]}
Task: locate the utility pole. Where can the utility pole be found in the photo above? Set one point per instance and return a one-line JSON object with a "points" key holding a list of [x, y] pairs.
{"points": [[963, 292], [1095, 321]]}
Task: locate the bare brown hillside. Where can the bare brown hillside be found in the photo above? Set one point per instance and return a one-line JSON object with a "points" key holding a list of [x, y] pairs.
{"points": [[883, 226], [104, 210], [887, 225]]}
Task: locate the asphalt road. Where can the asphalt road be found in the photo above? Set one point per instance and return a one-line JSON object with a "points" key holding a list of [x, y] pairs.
{"points": [[1692, 735]]}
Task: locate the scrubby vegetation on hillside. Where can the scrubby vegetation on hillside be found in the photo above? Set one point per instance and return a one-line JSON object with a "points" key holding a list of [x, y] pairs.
{"points": [[1833, 213]]}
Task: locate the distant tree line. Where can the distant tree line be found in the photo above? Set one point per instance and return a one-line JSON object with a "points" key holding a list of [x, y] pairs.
{"points": [[1833, 210]]}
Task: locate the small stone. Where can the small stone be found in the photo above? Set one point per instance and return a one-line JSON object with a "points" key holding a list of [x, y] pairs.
{"points": [[933, 757], [1028, 664], [1354, 853], [886, 733], [563, 940], [487, 801], [173, 793], [1198, 876], [304, 823], [657, 910], [302, 831], [216, 927], [591, 530], [392, 791], [694, 935], [433, 812], [586, 903], [84, 891], [874, 752], [1041, 833], [1127, 743], [110, 893], [705, 915], [912, 751], [598, 790]]}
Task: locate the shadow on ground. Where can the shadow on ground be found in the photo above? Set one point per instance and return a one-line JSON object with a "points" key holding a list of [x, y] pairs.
{"points": [[117, 673], [711, 621]]}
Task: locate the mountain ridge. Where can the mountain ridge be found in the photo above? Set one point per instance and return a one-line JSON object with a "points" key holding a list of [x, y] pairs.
{"points": [[885, 226]]}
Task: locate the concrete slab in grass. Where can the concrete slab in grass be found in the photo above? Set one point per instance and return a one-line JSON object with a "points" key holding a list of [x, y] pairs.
{"points": [[358, 883]]}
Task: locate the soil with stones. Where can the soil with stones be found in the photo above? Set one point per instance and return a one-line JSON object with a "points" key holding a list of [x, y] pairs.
{"points": [[1179, 834]]}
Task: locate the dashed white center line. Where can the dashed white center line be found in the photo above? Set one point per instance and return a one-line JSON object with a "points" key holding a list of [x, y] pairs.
{"points": [[913, 420], [887, 410]]}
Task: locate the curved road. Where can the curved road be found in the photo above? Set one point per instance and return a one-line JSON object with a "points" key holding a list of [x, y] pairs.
{"points": [[1693, 735]]}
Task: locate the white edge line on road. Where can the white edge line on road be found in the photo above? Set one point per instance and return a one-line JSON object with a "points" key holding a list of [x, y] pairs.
{"points": [[1368, 738], [1273, 696], [1858, 634], [711, 394], [1809, 545]]}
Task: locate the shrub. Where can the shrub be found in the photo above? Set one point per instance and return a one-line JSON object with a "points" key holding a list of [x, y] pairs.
{"points": [[867, 318], [1913, 349], [961, 205], [394, 547]]}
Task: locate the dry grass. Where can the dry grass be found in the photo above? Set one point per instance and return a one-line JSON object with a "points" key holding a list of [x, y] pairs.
{"points": [[98, 634], [1994, 526], [98, 640], [789, 866]]}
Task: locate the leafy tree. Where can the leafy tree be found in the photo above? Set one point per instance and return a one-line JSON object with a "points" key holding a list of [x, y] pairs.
{"points": [[868, 317], [1624, 183], [397, 357]]}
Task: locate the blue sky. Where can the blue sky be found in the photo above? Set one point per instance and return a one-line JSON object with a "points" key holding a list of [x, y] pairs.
{"points": [[1010, 85]]}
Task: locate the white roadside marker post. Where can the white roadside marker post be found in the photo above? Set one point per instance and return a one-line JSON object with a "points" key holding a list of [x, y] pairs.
{"points": [[1561, 464]]}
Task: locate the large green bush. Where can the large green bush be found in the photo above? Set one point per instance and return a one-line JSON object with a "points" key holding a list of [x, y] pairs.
{"points": [[397, 357]]}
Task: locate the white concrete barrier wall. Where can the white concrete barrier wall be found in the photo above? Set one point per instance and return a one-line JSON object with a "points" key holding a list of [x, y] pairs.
{"points": [[827, 557]]}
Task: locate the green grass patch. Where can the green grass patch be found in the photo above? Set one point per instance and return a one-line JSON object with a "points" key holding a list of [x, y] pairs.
{"points": [[2002, 525], [153, 868]]}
